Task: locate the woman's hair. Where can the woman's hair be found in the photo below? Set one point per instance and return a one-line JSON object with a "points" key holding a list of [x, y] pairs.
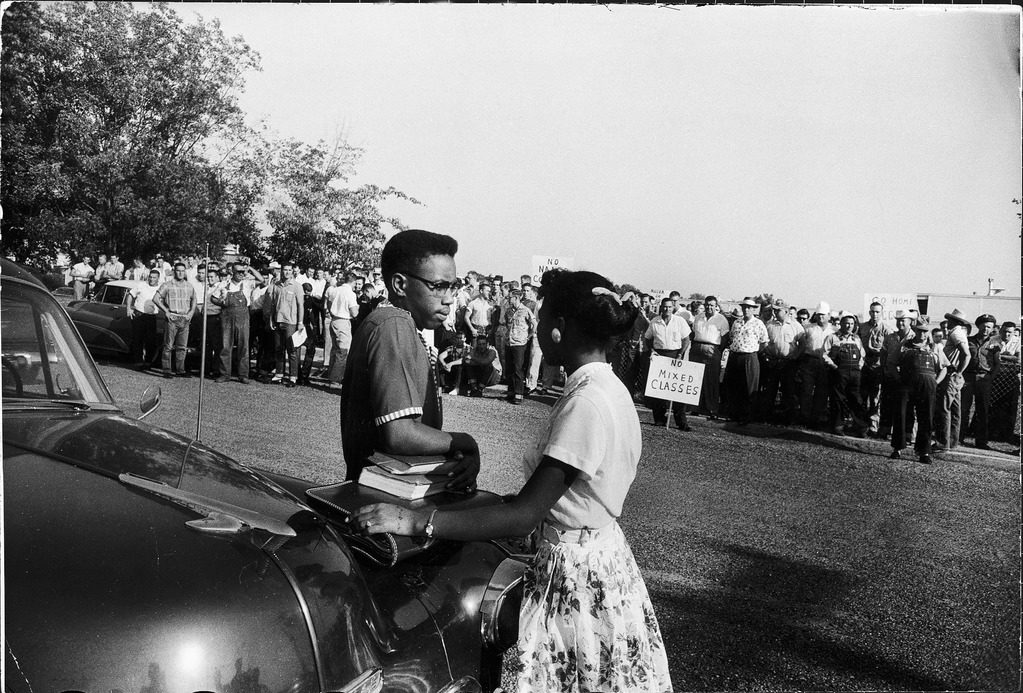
{"points": [[600, 316]]}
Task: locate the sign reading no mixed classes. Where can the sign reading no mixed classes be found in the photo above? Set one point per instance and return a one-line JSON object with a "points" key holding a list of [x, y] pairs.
{"points": [[674, 380]]}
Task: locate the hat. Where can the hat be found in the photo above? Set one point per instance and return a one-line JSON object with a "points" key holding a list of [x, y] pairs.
{"points": [[833, 315], [986, 317], [749, 303], [847, 314], [275, 265], [921, 324], [822, 309], [901, 314], [957, 316], [779, 304]]}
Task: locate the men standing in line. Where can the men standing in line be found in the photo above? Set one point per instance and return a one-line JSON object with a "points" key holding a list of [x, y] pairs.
{"points": [[667, 335], [520, 327], [813, 372], [478, 312], [143, 313], [980, 373], [342, 307], [286, 309], [710, 330], [778, 365], [235, 296], [920, 368], [742, 375], [872, 334], [81, 275], [948, 419], [843, 353], [176, 298], [891, 383]]}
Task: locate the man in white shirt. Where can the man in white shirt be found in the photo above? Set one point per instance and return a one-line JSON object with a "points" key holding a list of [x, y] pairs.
{"points": [[143, 313], [342, 305], [81, 276], [710, 329], [668, 335]]}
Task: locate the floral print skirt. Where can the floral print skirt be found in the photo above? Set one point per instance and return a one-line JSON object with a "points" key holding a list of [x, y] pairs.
{"points": [[587, 623]]}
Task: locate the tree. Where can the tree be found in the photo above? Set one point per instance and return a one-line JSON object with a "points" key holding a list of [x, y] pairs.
{"points": [[107, 110], [318, 222]]}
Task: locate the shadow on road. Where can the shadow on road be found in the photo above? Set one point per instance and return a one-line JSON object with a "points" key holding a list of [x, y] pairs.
{"points": [[765, 628]]}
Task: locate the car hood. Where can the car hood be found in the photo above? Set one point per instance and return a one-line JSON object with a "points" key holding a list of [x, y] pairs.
{"points": [[112, 444], [110, 583]]}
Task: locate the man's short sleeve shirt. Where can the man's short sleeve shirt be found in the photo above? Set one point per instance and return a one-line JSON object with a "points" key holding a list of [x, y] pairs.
{"points": [[709, 330], [748, 336], [667, 335], [388, 377]]}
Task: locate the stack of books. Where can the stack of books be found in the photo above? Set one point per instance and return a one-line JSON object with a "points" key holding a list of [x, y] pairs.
{"points": [[407, 476]]}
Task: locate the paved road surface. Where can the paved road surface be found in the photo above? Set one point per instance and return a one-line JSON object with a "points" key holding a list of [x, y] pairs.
{"points": [[777, 559]]}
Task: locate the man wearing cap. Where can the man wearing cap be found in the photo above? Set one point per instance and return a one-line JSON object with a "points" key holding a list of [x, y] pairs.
{"points": [[813, 372], [978, 376], [286, 307], [872, 334], [843, 354], [742, 374], [921, 367], [710, 329], [948, 417], [778, 364], [891, 382]]}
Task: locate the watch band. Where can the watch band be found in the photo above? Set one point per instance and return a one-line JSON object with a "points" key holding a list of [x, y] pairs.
{"points": [[428, 527]]}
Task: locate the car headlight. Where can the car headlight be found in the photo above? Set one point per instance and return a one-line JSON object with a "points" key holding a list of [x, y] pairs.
{"points": [[499, 610]]}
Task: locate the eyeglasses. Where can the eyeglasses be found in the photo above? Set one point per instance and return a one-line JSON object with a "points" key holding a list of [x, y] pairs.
{"points": [[434, 287]]}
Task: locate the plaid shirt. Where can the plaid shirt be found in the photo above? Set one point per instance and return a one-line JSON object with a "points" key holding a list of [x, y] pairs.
{"points": [[177, 295]]}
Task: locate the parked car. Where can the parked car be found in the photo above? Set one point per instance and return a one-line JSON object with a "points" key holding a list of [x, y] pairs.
{"points": [[138, 560]]}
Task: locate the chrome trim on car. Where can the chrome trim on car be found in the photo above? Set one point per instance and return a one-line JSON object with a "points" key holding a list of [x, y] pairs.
{"points": [[371, 681], [466, 684], [216, 511], [506, 578]]}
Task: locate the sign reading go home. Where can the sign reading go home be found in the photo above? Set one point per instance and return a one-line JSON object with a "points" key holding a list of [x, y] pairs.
{"points": [[674, 380], [542, 263]]}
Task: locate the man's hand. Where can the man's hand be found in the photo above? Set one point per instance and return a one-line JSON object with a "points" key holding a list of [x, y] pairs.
{"points": [[463, 476]]}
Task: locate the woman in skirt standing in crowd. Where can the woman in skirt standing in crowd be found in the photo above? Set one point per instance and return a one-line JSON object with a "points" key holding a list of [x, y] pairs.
{"points": [[586, 623]]}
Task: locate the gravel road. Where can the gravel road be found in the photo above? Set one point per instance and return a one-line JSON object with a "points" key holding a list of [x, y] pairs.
{"points": [[777, 559]]}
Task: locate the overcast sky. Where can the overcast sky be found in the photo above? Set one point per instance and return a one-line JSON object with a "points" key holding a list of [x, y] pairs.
{"points": [[812, 152]]}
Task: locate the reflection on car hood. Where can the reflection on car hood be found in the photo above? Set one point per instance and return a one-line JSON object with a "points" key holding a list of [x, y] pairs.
{"points": [[113, 444]]}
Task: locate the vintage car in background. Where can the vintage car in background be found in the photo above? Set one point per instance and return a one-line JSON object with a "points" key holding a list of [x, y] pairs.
{"points": [[138, 560]]}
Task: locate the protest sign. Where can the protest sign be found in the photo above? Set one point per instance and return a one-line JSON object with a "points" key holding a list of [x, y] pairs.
{"points": [[542, 263], [889, 304], [674, 380]]}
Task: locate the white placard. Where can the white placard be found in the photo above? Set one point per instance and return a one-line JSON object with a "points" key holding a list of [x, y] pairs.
{"points": [[542, 263], [675, 380], [890, 303]]}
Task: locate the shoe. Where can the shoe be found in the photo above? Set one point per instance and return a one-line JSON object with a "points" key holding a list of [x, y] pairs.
{"points": [[925, 458], [276, 378], [660, 422], [288, 383], [937, 449], [167, 374], [896, 455], [685, 428], [836, 431], [983, 446], [712, 417], [453, 391], [183, 374], [243, 381], [222, 379]]}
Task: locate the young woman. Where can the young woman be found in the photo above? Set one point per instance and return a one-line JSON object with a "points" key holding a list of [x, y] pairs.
{"points": [[586, 623]]}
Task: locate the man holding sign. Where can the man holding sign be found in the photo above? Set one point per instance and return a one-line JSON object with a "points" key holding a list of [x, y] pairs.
{"points": [[667, 335]]}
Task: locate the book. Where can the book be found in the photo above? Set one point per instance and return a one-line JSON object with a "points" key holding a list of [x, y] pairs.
{"points": [[407, 486], [413, 464]]}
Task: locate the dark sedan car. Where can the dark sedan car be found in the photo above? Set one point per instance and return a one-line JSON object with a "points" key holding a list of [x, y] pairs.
{"points": [[138, 560]]}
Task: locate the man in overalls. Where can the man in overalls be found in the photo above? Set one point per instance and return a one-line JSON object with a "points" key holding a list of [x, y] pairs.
{"points": [[844, 354], [234, 297], [921, 368]]}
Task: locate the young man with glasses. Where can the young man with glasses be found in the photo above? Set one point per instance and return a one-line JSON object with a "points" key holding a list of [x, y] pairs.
{"points": [[390, 399]]}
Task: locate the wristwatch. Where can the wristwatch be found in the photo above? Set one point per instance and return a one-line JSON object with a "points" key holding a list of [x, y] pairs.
{"points": [[428, 527]]}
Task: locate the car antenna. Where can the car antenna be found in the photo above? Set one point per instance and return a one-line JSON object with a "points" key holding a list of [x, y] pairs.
{"points": [[202, 356]]}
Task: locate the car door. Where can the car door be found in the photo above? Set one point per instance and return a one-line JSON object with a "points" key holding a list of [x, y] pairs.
{"points": [[104, 321]]}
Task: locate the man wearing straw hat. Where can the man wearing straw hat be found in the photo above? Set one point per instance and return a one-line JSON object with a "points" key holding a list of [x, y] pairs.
{"points": [[948, 417], [980, 373], [921, 367]]}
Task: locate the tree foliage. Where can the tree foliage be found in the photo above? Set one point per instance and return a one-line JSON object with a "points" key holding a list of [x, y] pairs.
{"points": [[106, 109], [315, 219], [122, 133]]}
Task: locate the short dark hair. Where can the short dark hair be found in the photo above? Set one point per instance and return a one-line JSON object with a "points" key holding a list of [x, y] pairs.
{"points": [[879, 305], [180, 263], [568, 294], [406, 249]]}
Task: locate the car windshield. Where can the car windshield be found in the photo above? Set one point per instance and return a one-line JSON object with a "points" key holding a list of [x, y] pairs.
{"points": [[43, 357], [113, 294]]}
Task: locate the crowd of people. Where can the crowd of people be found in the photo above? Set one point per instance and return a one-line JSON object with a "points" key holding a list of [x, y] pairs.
{"points": [[768, 362]]}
